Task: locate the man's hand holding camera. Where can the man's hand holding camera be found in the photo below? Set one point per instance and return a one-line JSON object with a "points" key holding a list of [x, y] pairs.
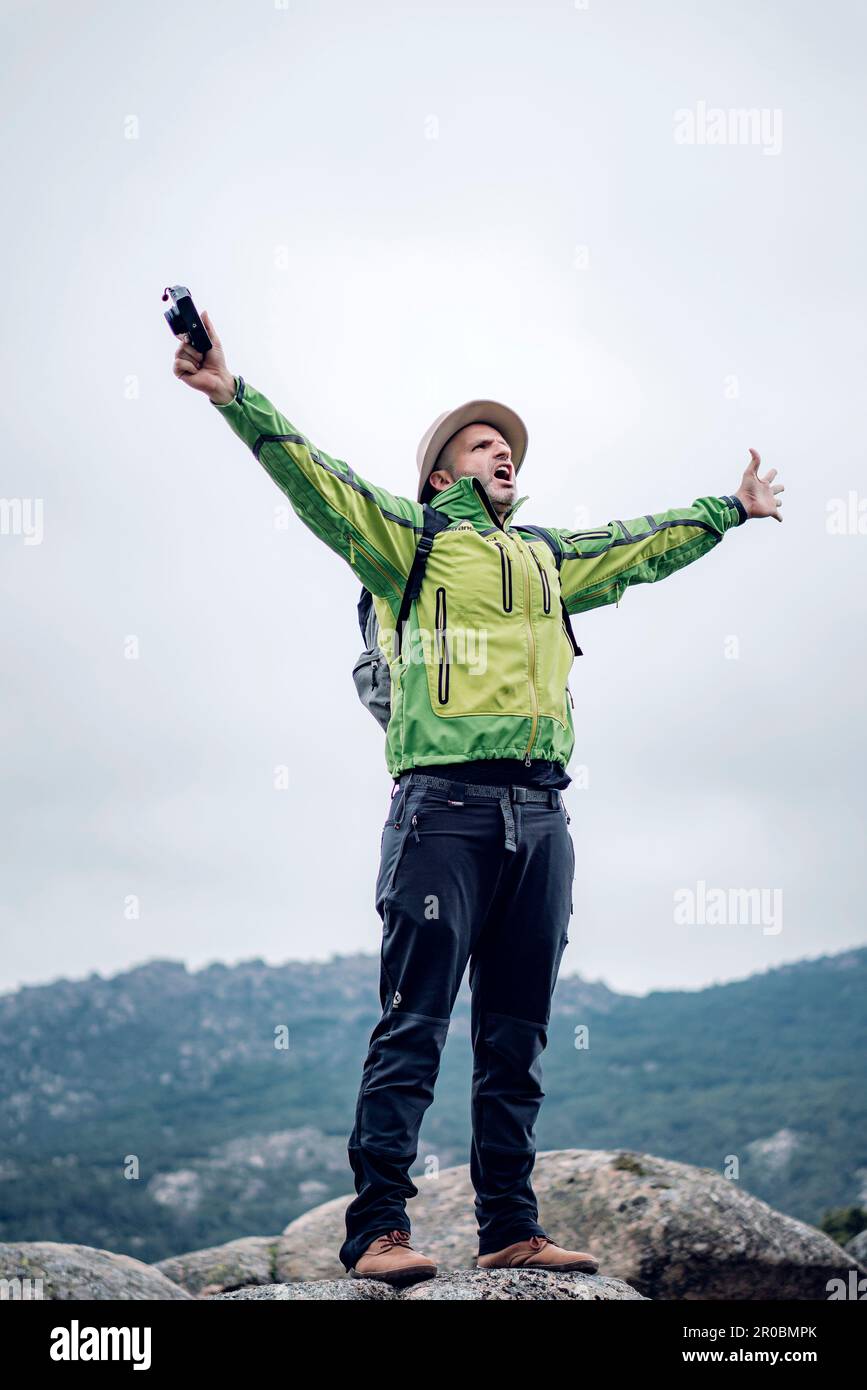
{"points": [[205, 371]]}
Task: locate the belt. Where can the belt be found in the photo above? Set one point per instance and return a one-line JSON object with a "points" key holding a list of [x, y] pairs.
{"points": [[506, 795]]}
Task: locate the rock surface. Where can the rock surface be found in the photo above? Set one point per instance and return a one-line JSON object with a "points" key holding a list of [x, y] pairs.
{"points": [[857, 1246], [660, 1229], [235, 1265], [670, 1230], [83, 1272], [515, 1285], [523, 1285], [343, 1290]]}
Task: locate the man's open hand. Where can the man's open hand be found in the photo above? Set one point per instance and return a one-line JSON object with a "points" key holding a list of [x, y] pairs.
{"points": [[757, 495], [205, 371]]}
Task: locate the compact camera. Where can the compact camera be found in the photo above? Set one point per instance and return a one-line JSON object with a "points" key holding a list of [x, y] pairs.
{"points": [[183, 317]]}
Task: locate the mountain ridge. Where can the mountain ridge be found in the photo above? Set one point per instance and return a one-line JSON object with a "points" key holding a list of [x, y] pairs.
{"points": [[232, 1089]]}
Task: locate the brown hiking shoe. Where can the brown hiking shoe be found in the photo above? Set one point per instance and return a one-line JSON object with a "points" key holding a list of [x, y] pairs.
{"points": [[539, 1253], [392, 1259]]}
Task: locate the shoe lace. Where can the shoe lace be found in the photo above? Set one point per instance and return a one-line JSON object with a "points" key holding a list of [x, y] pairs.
{"points": [[393, 1238], [539, 1242]]}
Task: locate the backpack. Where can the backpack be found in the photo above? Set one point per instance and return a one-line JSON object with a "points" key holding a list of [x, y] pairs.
{"points": [[370, 673]]}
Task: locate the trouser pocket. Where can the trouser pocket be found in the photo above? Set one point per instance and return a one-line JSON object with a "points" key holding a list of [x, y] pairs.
{"points": [[392, 844], [398, 802]]}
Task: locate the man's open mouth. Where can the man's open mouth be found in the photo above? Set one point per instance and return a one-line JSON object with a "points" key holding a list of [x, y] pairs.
{"points": [[503, 473]]}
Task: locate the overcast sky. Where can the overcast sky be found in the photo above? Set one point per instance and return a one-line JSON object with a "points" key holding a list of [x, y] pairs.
{"points": [[388, 210]]}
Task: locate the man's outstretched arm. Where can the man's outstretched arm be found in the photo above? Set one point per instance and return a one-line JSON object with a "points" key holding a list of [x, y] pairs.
{"points": [[374, 531], [598, 565]]}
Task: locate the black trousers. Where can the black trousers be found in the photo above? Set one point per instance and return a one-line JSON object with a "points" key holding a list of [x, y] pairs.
{"points": [[462, 878]]}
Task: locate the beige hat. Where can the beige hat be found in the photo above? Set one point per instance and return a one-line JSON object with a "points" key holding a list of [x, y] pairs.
{"points": [[434, 440]]}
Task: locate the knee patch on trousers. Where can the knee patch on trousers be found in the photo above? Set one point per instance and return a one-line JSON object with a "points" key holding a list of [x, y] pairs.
{"points": [[399, 1086], [507, 1084]]}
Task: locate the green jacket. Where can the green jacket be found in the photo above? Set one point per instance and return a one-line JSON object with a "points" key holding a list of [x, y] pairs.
{"points": [[485, 660]]}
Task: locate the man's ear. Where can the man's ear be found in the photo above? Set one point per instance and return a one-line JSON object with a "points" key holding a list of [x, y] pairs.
{"points": [[440, 479]]}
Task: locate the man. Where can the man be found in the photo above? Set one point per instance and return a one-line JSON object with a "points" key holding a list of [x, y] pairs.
{"points": [[476, 859]]}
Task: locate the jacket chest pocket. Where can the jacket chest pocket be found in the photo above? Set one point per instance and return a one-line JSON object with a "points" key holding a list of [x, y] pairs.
{"points": [[554, 651], [470, 618], [545, 582], [441, 651], [505, 576]]}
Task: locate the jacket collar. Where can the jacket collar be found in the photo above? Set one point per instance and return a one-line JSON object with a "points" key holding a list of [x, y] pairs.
{"points": [[466, 500]]}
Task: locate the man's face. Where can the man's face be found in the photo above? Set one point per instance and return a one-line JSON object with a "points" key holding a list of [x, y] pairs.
{"points": [[481, 452]]}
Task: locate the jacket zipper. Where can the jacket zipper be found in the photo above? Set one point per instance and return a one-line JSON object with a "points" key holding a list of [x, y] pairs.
{"points": [[615, 584], [531, 641], [442, 647], [546, 587], [487, 505], [506, 572], [371, 559], [531, 644]]}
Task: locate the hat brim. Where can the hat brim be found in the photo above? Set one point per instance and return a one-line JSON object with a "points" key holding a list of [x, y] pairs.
{"points": [[501, 417]]}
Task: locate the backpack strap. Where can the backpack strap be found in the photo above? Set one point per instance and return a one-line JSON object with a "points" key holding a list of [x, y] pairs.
{"points": [[365, 604], [554, 546], [434, 521]]}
